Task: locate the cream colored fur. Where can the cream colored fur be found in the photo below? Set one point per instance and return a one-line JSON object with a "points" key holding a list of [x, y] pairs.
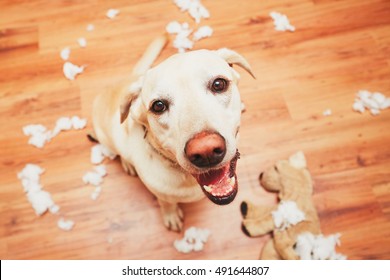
{"points": [[152, 146]]}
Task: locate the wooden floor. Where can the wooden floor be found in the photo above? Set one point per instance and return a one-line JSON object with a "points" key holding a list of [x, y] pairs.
{"points": [[339, 47]]}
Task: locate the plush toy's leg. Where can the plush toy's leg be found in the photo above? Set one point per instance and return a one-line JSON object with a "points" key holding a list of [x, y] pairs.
{"points": [[269, 252], [257, 219], [284, 244]]}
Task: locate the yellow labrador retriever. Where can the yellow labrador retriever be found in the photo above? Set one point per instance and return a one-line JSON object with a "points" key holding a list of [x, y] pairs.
{"points": [[176, 126]]}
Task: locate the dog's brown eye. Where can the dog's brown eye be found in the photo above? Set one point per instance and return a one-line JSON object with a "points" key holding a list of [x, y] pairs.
{"points": [[219, 85], [159, 106]]}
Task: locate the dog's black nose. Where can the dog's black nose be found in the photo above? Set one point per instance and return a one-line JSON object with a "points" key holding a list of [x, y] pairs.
{"points": [[205, 149]]}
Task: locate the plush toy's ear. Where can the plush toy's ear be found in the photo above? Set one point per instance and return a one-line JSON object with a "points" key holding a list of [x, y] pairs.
{"points": [[132, 94], [233, 57]]}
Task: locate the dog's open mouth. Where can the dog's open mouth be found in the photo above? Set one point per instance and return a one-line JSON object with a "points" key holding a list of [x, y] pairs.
{"points": [[220, 185]]}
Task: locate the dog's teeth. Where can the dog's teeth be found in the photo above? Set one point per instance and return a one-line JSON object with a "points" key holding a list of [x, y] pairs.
{"points": [[207, 188], [232, 181]]}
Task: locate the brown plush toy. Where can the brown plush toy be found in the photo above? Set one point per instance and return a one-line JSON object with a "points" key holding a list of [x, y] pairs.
{"points": [[294, 215]]}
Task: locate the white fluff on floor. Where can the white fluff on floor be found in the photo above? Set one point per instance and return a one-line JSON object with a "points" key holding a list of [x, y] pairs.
{"points": [[193, 240], [40, 135], [40, 200], [99, 152], [82, 42], [202, 32], [281, 22], [65, 53], [375, 102], [71, 70], [194, 7], [95, 177], [112, 13], [65, 225]]}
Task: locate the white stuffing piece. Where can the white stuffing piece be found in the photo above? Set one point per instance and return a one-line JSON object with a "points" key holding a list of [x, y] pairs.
{"points": [[194, 7], [112, 13], [40, 200], [40, 135], [99, 152], [298, 160], [95, 177], [375, 102], [65, 225], [281, 22], [193, 240], [78, 123], [71, 70], [318, 247], [182, 31], [82, 42], [202, 32], [90, 27], [287, 214], [182, 42], [65, 53], [327, 112]]}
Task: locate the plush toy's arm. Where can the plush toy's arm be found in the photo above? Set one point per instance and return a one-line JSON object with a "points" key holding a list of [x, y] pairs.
{"points": [[257, 219]]}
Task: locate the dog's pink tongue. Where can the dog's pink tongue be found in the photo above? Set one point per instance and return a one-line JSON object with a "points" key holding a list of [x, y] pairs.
{"points": [[218, 186]]}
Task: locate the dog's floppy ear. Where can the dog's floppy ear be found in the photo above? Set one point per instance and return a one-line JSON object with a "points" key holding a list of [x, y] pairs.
{"points": [[132, 93], [233, 57]]}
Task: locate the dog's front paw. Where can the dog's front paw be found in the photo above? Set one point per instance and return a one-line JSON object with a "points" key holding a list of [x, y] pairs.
{"points": [[172, 216]]}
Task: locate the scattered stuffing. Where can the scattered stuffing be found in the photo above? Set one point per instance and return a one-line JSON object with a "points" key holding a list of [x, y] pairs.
{"points": [[193, 240], [298, 160], [82, 42], [318, 247], [95, 177], [287, 214], [66, 123], [90, 27], [375, 102], [78, 123], [110, 240], [99, 152], [40, 200], [281, 22], [112, 13], [182, 42], [65, 53], [327, 112], [182, 31], [65, 225], [194, 7], [203, 32], [39, 135], [71, 71]]}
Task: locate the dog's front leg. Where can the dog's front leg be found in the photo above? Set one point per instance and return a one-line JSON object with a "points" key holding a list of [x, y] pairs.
{"points": [[128, 167], [172, 215]]}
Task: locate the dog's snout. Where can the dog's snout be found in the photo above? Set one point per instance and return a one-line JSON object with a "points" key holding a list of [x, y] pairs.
{"points": [[205, 149]]}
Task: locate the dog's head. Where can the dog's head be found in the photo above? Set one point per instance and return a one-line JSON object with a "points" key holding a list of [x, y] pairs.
{"points": [[191, 107]]}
